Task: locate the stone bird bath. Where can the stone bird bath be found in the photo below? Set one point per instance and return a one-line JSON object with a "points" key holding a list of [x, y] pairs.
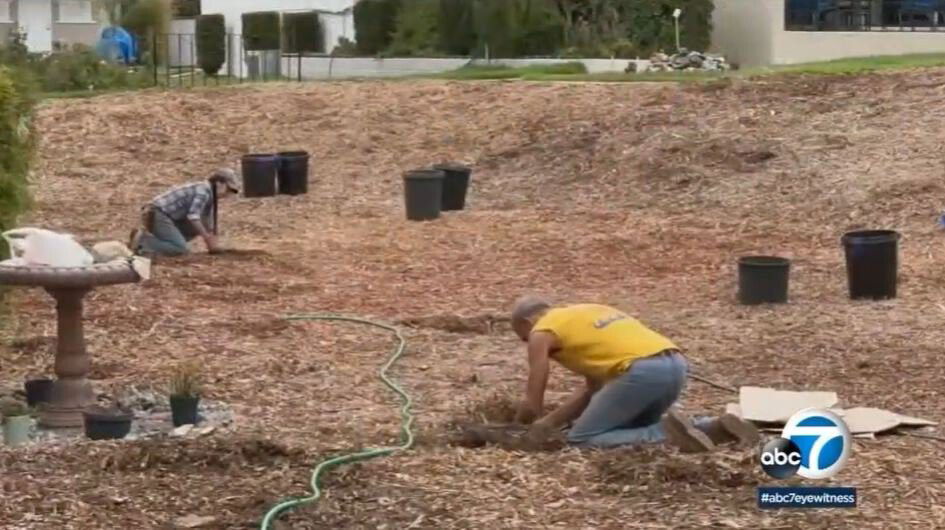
{"points": [[71, 392]]}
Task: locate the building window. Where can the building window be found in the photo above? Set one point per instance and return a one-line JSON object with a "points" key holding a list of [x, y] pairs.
{"points": [[6, 11], [864, 15], [75, 11]]}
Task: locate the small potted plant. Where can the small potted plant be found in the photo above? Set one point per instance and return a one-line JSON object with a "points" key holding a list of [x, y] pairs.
{"points": [[16, 422], [185, 389]]}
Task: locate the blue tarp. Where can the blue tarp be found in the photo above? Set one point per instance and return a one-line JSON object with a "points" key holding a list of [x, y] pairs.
{"points": [[116, 44]]}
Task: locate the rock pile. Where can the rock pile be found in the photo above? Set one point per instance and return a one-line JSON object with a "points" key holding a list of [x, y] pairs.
{"points": [[685, 60]]}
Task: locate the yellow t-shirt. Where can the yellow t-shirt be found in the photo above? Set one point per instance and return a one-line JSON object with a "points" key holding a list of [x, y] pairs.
{"points": [[598, 341]]}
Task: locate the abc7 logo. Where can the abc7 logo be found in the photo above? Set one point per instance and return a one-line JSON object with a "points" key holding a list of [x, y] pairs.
{"points": [[814, 444]]}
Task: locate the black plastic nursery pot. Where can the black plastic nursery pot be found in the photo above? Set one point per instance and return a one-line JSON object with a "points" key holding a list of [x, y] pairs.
{"points": [[872, 258], [184, 410], [293, 172], [103, 424], [763, 280], [455, 185], [38, 391], [259, 174], [423, 194]]}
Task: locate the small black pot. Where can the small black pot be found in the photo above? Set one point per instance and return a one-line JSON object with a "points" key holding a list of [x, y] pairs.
{"points": [[38, 391], [107, 424], [184, 410]]}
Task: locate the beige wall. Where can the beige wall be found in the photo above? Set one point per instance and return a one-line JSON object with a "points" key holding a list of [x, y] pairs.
{"points": [[87, 34], [751, 33], [5, 32], [741, 30]]}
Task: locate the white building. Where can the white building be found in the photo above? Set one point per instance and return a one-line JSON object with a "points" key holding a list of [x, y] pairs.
{"points": [[48, 21], [337, 17]]}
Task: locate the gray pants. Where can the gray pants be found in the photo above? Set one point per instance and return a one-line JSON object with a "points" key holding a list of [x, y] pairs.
{"points": [[627, 410], [167, 237]]}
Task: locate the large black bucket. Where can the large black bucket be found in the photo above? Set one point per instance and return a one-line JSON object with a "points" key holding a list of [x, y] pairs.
{"points": [[455, 184], [423, 194], [763, 280], [259, 175], [293, 172], [872, 263]]}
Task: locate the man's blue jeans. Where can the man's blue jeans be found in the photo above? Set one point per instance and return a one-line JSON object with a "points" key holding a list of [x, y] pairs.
{"points": [[628, 409], [166, 237]]}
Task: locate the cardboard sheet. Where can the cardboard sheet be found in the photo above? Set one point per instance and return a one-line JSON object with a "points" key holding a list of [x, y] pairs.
{"points": [[872, 420], [767, 405]]}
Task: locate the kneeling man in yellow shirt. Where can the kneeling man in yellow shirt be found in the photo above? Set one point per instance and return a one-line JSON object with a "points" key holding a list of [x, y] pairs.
{"points": [[633, 377]]}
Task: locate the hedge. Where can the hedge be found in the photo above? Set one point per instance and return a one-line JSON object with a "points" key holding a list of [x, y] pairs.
{"points": [[261, 31], [17, 140], [650, 23], [457, 27], [374, 25], [303, 32], [185, 8], [211, 43], [513, 28], [417, 30]]}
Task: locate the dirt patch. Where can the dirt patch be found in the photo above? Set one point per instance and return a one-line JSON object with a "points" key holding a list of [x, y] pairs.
{"points": [[219, 454], [481, 324], [658, 465], [33, 345]]}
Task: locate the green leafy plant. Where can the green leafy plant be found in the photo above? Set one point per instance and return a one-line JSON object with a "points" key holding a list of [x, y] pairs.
{"points": [[17, 143], [211, 43], [186, 381], [374, 24], [416, 32], [303, 33], [12, 408], [81, 68], [457, 27], [146, 19], [345, 48], [515, 28], [262, 31]]}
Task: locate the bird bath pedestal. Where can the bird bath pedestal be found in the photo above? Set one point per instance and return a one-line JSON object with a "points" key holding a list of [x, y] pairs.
{"points": [[71, 392]]}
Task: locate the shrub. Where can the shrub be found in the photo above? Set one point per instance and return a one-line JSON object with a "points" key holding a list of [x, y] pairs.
{"points": [[17, 140], [374, 24], [146, 18], [186, 8], [186, 380], [512, 28], [211, 43], [649, 23], [416, 31], [261, 31], [457, 27], [303, 32], [81, 68], [345, 48]]}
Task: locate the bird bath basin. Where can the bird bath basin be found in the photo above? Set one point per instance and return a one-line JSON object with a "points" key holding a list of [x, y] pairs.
{"points": [[71, 392]]}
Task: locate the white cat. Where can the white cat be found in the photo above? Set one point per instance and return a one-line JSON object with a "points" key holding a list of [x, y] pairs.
{"points": [[38, 246]]}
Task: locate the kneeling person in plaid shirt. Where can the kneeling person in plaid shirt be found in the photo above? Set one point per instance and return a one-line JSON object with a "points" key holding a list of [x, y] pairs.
{"points": [[179, 215]]}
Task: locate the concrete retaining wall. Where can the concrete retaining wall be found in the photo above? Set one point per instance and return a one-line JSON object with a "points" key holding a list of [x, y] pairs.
{"points": [[359, 67]]}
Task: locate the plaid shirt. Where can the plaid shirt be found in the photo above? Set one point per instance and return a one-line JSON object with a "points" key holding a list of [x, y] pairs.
{"points": [[189, 201]]}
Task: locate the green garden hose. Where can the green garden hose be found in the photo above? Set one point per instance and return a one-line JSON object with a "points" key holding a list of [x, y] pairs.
{"points": [[406, 415]]}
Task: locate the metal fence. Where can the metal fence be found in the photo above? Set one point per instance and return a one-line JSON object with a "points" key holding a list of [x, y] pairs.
{"points": [[864, 15], [174, 62]]}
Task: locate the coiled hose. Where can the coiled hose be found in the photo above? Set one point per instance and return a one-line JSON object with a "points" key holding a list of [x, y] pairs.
{"points": [[405, 413]]}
